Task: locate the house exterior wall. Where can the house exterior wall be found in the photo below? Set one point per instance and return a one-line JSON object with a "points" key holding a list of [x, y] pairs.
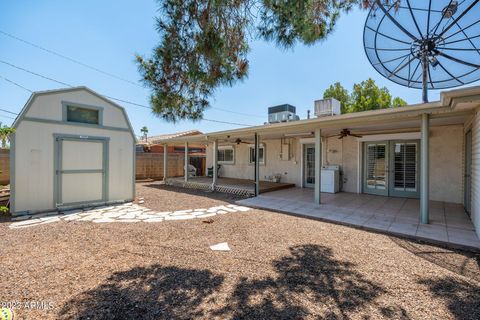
{"points": [[290, 170], [446, 159], [446, 163], [475, 174], [33, 151], [343, 152]]}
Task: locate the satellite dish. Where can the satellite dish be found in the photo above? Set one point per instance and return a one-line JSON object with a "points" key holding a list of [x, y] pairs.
{"points": [[424, 44]]}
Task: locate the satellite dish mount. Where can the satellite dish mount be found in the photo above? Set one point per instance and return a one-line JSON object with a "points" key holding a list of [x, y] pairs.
{"points": [[432, 45]]}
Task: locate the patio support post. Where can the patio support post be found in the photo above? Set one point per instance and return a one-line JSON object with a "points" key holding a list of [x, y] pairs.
{"points": [[165, 162], [424, 175], [318, 164], [215, 164], [186, 162], [257, 165]]}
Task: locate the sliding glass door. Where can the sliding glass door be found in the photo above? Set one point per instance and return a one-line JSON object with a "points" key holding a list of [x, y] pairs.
{"points": [[391, 168], [376, 167], [405, 163], [309, 166]]}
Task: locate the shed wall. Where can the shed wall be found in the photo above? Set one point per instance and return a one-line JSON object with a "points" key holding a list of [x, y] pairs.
{"points": [[33, 156]]}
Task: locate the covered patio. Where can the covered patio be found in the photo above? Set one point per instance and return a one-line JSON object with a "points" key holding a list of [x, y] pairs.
{"points": [[449, 224], [409, 170], [228, 185]]}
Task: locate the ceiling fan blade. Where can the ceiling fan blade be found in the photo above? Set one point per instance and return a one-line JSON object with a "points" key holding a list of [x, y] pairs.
{"points": [[356, 135], [333, 135]]}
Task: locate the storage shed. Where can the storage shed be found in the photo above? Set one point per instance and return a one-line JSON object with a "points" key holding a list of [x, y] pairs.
{"points": [[71, 148]]}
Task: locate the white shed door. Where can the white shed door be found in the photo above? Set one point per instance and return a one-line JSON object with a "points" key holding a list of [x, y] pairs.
{"points": [[81, 170]]}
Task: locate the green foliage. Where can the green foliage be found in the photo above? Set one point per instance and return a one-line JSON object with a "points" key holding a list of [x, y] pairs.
{"points": [[338, 92], [398, 102], [290, 21], [144, 131], [365, 96], [4, 209], [5, 132], [204, 45]]}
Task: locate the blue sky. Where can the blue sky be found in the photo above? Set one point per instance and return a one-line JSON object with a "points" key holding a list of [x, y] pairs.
{"points": [[107, 34]]}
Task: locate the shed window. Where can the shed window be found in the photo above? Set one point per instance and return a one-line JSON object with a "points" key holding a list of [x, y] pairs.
{"points": [[83, 115], [226, 155]]}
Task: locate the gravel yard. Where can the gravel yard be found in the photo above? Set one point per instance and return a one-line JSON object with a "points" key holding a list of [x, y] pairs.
{"points": [[280, 267]]}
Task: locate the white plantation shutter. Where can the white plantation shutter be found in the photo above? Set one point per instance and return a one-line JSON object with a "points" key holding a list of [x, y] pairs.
{"points": [[405, 166]]}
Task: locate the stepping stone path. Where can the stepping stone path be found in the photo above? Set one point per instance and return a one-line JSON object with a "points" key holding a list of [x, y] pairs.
{"points": [[125, 213]]}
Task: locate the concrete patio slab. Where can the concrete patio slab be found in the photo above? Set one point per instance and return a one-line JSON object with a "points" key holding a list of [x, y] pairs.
{"points": [[449, 224]]}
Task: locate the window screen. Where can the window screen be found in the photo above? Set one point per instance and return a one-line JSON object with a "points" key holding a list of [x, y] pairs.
{"points": [[83, 115]]}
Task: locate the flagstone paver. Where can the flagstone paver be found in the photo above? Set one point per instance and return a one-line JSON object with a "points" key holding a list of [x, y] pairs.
{"points": [[125, 213]]}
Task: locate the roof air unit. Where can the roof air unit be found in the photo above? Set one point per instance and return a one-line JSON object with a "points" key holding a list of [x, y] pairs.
{"points": [[327, 107], [282, 113]]}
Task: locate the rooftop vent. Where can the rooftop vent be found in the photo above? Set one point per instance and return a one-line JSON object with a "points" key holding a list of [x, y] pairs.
{"points": [[327, 107], [282, 113]]}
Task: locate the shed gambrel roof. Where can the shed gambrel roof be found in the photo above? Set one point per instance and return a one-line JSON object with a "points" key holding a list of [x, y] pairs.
{"points": [[35, 94]]}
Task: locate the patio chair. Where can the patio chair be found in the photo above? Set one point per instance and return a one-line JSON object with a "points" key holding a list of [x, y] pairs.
{"points": [[210, 171], [192, 171]]}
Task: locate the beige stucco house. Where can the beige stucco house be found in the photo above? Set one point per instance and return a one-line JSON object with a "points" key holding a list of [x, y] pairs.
{"points": [[427, 151], [71, 148]]}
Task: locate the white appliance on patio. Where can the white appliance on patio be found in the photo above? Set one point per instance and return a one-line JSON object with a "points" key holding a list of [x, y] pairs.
{"points": [[330, 180]]}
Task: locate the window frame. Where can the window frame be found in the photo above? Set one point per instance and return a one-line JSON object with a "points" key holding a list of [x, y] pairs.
{"points": [[252, 146], [66, 104], [223, 148]]}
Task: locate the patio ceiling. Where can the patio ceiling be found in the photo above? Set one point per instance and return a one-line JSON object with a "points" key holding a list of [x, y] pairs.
{"points": [[401, 124]]}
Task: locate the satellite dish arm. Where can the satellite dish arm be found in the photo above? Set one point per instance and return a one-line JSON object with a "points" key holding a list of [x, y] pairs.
{"points": [[458, 18], [395, 22], [457, 60]]}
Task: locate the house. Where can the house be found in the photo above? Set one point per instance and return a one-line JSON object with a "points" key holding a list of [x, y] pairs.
{"points": [[153, 146], [196, 152], [428, 152], [71, 148]]}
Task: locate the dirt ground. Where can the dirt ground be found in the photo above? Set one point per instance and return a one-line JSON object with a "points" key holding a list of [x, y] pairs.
{"points": [[280, 267]]}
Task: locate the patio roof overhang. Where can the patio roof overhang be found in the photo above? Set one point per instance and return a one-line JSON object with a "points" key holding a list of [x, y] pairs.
{"points": [[454, 107]]}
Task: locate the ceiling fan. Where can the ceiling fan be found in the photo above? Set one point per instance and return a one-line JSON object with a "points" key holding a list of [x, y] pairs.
{"points": [[345, 132], [238, 141]]}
